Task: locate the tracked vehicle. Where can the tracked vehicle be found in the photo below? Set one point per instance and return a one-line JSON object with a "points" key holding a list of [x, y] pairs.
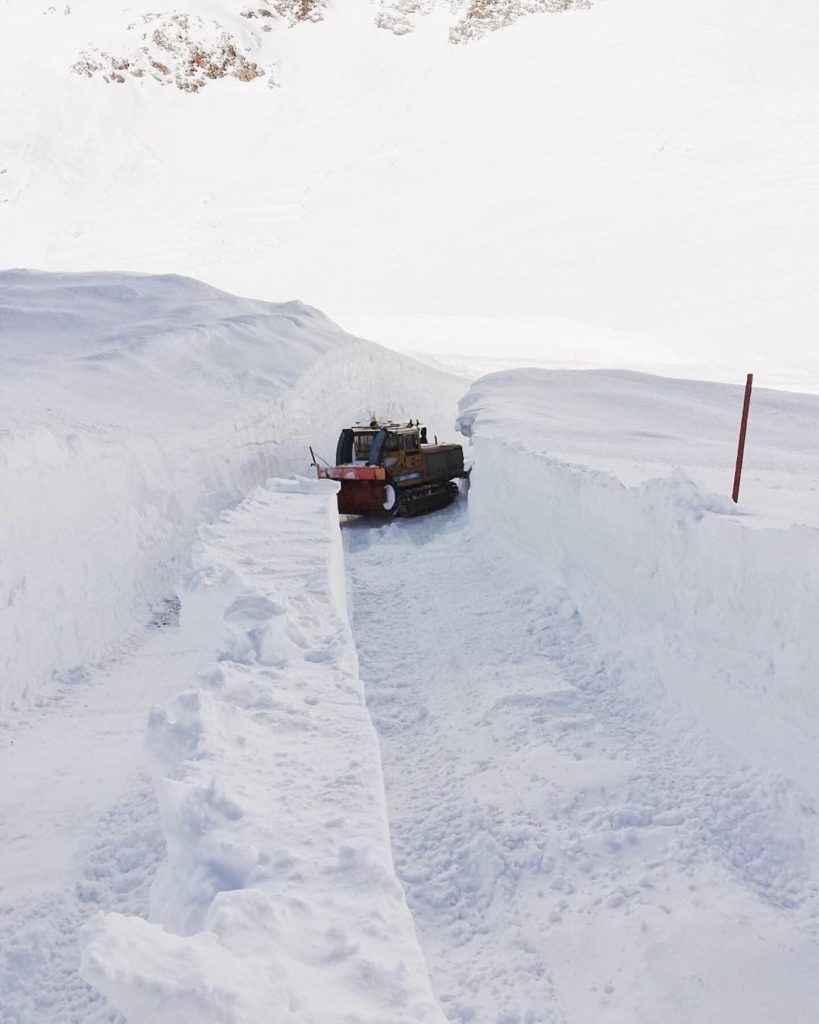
{"points": [[391, 469]]}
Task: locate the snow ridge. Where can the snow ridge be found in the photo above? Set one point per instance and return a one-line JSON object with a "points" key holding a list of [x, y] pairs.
{"points": [[278, 899], [703, 600], [145, 405]]}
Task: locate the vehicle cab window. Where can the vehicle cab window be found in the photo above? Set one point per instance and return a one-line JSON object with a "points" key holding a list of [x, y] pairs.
{"points": [[363, 443]]}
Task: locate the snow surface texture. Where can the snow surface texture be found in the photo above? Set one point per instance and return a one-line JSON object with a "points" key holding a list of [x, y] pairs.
{"points": [[132, 409], [597, 479], [602, 774], [642, 168], [574, 850], [278, 899]]}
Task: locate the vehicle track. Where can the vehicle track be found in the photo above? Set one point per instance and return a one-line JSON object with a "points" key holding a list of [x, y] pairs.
{"points": [[570, 853]]}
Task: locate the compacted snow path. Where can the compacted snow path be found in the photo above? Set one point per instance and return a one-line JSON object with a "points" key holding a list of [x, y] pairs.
{"points": [[79, 823], [569, 853]]}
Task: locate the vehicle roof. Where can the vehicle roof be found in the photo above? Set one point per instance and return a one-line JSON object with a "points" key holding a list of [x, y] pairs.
{"points": [[394, 428]]}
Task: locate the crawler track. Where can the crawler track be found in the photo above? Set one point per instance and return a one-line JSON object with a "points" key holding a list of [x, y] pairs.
{"points": [[419, 501]]}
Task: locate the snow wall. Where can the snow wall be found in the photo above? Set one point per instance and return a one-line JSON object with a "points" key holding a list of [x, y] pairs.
{"points": [[690, 599], [135, 407], [278, 900]]}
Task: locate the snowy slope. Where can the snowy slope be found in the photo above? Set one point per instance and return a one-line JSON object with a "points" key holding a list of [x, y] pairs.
{"points": [[132, 409], [277, 900], [637, 428], [614, 487], [641, 166]]}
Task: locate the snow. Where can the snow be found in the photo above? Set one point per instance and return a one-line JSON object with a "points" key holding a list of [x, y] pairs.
{"points": [[278, 895], [637, 428], [706, 602], [644, 169], [134, 407], [601, 775], [558, 766]]}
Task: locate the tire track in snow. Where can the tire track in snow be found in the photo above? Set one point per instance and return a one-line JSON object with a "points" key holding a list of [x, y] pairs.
{"points": [[556, 836]]}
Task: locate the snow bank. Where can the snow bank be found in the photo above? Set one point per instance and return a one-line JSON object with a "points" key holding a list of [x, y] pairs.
{"points": [[278, 900], [598, 483], [132, 408]]}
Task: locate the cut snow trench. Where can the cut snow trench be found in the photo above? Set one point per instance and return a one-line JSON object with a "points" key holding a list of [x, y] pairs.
{"points": [[277, 899], [571, 851], [140, 406], [137, 405]]}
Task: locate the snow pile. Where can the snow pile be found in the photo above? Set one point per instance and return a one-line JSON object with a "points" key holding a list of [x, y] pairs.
{"points": [[278, 899], [613, 487], [134, 407]]}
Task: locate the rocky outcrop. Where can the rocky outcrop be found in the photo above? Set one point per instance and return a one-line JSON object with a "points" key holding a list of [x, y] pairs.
{"points": [[176, 49], [482, 16], [188, 51]]}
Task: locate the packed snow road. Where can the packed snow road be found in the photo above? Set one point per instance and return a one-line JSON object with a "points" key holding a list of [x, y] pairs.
{"points": [[571, 853]]}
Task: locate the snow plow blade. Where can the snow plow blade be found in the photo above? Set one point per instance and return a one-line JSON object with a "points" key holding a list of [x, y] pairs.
{"points": [[392, 469], [363, 490]]}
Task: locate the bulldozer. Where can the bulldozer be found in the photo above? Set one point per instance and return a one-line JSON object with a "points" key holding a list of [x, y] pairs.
{"points": [[391, 469]]}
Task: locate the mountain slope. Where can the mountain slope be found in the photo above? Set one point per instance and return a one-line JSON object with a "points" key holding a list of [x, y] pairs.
{"points": [[645, 166]]}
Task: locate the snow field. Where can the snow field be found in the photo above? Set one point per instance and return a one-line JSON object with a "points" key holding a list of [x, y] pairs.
{"points": [[711, 603], [641, 166], [134, 408], [278, 898]]}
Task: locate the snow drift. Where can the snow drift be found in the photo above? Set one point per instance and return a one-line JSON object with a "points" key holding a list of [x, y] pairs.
{"points": [[278, 899], [606, 486], [135, 407]]}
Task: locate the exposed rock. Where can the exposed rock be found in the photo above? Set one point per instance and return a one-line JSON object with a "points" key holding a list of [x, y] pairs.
{"points": [[482, 16], [176, 49], [188, 51]]}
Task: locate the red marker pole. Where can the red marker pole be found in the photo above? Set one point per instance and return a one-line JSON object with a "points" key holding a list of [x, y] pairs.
{"points": [[746, 405]]}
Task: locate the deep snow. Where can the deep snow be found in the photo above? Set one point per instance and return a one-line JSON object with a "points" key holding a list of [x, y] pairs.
{"points": [[615, 488], [594, 689], [644, 169], [592, 686], [637, 428], [277, 899], [574, 850], [135, 407]]}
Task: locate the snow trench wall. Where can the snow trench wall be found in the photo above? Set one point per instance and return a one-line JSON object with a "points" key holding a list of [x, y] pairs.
{"points": [[676, 590], [96, 524], [278, 900]]}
